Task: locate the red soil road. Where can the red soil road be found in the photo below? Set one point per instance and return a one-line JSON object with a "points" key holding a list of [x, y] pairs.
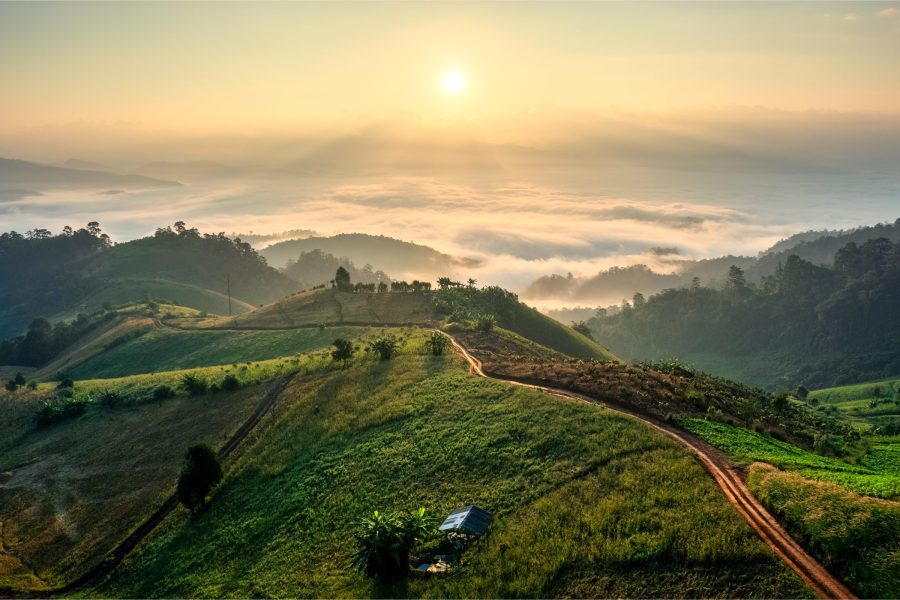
{"points": [[817, 577]]}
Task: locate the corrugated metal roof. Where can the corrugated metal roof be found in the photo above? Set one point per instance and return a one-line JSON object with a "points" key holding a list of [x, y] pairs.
{"points": [[468, 519]]}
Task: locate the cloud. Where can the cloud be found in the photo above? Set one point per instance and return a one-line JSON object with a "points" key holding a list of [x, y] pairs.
{"points": [[889, 12], [851, 16]]}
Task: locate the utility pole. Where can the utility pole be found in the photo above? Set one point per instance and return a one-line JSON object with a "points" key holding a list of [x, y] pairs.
{"points": [[228, 287]]}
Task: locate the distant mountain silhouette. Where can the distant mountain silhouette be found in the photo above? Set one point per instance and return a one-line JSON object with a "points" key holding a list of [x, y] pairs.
{"points": [[21, 174]]}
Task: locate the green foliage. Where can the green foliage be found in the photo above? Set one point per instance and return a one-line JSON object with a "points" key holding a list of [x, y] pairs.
{"points": [[200, 473], [854, 536], [586, 503], [194, 384], [832, 325], [11, 385], [170, 349], [384, 347], [59, 409], [161, 392], [230, 383], [436, 344], [110, 398], [385, 541], [343, 349], [485, 323], [467, 304], [20, 379], [874, 475]]}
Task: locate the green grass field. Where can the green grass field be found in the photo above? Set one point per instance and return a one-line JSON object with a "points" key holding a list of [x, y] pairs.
{"points": [[586, 502], [171, 349], [868, 405], [876, 474], [857, 538], [548, 332]]}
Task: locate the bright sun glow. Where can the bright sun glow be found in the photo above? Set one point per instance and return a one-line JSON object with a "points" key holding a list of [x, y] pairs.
{"points": [[453, 82]]}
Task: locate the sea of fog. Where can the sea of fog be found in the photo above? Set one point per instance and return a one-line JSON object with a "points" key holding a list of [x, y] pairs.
{"points": [[519, 227]]}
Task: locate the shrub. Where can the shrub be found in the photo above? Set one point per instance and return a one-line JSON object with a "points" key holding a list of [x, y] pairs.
{"points": [[11, 385], [59, 409], [485, 323], [200, 473], [385, 348], [385, 541], [32, 385], [343, 349], [437, 343], [110, 398], [230, 383], [20, 379], [161, 392], [66, 382], [193, 384]]}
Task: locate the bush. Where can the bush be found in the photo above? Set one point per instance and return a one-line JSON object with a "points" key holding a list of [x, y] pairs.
{"points": [[385, 348], [485, 323], [161, 392], [230, 383], [343, 349], [200, 473], [193, 384], [437, 343], [20, 379], [32, 385], [385, 541], [66, 382], [110, 398], [59, 409], [11, 385]]}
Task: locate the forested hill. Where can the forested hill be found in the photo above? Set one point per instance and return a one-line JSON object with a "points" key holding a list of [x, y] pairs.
{"points": [[50, 274], [805, 324]]}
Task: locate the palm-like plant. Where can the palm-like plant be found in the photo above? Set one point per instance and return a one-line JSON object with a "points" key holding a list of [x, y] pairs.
{"points": [[385, 541]]}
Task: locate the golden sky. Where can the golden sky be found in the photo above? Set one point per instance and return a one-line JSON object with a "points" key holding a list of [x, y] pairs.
{"points": [[261, 67]]}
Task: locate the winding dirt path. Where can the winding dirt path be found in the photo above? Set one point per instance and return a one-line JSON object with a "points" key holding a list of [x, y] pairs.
{"points": [[816, 576]]}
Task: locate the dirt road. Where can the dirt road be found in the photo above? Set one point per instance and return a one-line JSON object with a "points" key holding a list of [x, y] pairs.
{"points": [[808, 568]]}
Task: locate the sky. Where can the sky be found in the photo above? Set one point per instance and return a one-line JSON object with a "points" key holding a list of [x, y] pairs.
{"points": [[585, 133]]}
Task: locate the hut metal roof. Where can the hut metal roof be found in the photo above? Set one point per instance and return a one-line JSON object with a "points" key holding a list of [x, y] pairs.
{"points": [[468, 519]]}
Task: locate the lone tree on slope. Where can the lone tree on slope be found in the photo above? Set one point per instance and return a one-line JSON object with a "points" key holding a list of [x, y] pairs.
{"points": [[200, 473], [342, 279]]}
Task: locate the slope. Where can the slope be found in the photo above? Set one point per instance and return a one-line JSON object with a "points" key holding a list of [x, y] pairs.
{"points": [[586, 502]]}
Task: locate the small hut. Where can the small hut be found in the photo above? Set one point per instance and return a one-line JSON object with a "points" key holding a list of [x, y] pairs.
{"points": [[469, 520]]}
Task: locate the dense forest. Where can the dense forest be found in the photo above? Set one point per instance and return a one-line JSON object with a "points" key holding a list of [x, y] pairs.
{"points": [[804, 324], [317, 267], [61, 275]]}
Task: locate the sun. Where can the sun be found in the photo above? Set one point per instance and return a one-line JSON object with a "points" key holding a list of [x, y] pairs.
{"points": [[453, 82]]}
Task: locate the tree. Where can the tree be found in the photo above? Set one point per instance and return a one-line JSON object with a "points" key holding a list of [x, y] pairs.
{"points": [[200, 473], [343, 349], [444, 283], [342, 279], [11, 385], [385, 541], [384, 347], [193, 384], [485, 323], [582, 328], [437, 343], [802, 392], [638, 299], [736, 280], [20, 379]]}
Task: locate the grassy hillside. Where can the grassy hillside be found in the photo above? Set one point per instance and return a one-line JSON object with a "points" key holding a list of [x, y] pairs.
{"points": [[329, 306], [586, 502], [871, 406], [71, 491], [855, 537], [877, 473], [170, 349]]}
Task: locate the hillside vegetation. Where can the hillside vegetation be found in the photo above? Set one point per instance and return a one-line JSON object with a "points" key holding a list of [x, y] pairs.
{"points": [[170, 349], [806, 324], [873, 406], [855, 537], [586, 503], [80, 270]]}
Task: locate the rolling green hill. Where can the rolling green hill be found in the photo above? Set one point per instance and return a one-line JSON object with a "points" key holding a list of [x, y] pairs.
{"points": [[873, 406], [586, 503], [169, 349]]}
